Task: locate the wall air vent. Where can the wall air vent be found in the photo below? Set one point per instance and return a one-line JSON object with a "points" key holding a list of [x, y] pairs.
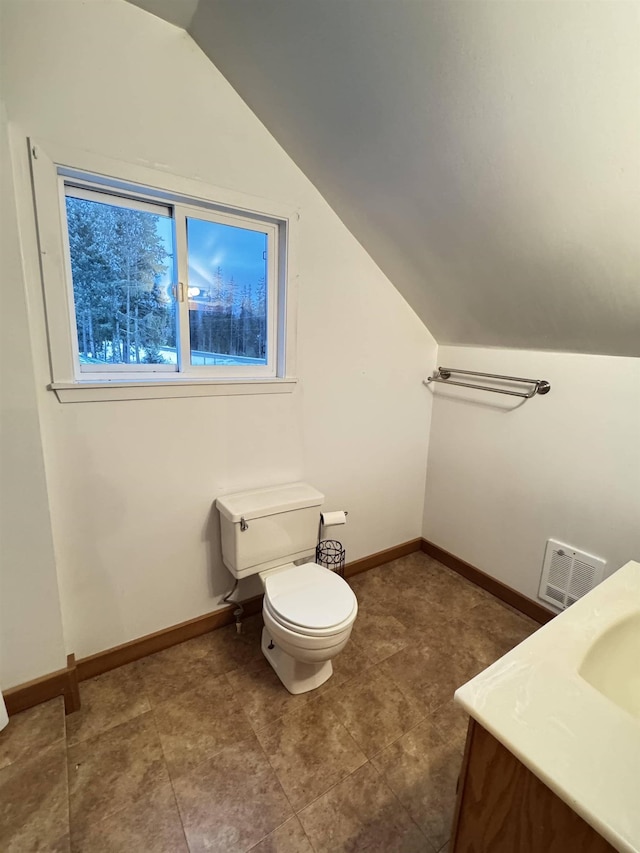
{"points": [[568, 574]]}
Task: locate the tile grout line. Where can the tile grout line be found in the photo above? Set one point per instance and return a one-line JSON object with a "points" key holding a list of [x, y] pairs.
{"points": [[406, 811], [109, 729], [66, 763], [173, 790], [251, 736], [443, 742], [408, 731], [253, 728], [353, 772], [129, 804], [208, 757], [286, 796], [335, 785], [314, 700], [204, 760], [355, 742]]}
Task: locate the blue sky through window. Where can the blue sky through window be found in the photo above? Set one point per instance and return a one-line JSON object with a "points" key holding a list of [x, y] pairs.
{"points": [[227, 293], [238, 252]]}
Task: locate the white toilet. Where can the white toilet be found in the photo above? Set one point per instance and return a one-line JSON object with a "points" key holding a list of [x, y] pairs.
{"points": [[308, 610]]}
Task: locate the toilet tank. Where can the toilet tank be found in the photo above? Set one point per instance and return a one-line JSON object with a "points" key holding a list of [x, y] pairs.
{"points": [[264, 528]]}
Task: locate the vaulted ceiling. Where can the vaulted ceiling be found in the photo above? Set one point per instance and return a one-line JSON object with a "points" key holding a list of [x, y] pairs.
{"points": [[486, 154]]}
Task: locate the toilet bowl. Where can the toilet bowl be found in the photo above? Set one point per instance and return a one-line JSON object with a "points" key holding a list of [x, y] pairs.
{"points": [[308, 614], [308, 610]]}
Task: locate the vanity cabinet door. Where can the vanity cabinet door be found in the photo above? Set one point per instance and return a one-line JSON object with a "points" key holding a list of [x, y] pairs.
{"points": [[503, 808]]}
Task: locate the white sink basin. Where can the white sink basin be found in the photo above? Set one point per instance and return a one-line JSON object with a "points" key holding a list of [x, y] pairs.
{"points": [[612, 664]]}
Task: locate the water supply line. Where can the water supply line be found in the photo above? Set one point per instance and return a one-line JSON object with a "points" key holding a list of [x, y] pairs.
{"points": [[239, 611]]}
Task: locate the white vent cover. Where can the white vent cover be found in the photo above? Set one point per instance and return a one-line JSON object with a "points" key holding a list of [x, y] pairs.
{"points": [[568, 574]]}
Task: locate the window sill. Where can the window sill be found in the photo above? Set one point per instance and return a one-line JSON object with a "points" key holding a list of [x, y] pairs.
{"points": [[97, 392]]}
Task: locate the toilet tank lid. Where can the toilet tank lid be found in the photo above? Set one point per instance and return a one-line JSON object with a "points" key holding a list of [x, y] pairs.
{"points": [[257, 503]]}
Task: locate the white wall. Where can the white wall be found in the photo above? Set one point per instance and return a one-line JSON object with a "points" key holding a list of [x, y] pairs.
{"points": [[131, 484], [503, 478], [31, 641]]}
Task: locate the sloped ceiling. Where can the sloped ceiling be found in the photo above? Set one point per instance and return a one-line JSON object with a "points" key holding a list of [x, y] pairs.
{"points": [[486, 154], [178, 12]]}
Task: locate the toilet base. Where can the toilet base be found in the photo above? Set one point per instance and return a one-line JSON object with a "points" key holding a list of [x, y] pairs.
{"points": [[297, 676]]}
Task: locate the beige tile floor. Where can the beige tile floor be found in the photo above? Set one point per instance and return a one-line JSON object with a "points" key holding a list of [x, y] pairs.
{"points": [[200, 748]]}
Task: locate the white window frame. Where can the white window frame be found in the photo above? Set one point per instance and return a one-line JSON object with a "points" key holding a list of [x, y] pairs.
{"points": [[51, 168]]}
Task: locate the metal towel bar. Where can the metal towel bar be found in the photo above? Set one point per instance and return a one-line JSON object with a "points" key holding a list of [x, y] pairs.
{"points": [[443, 374]]}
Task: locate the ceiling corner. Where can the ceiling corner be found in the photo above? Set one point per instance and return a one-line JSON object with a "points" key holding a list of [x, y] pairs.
{"points": [[177, 12]]}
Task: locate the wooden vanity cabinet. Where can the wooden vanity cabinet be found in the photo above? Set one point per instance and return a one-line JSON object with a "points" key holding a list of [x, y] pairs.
{"points": [[503, 808]]}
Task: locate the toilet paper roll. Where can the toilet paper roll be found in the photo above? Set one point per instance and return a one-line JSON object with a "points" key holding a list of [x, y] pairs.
{"points": [[330, 519]]}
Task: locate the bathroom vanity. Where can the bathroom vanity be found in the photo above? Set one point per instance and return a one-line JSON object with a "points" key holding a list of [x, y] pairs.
{"points": [[503, 807], [552, 761]]}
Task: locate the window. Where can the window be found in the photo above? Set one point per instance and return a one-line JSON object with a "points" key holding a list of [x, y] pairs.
{"points": [[135, 311], [160, 287]]}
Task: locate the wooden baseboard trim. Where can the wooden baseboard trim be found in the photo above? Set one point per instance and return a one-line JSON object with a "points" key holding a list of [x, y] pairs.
{"points": [[381, 557], [63, 683], [495, 587], [158, 641], [72, 696], [135, 649]]}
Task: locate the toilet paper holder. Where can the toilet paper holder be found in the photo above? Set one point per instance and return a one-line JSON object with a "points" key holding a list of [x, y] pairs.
{"points": [[332, 519], [331, 553]]}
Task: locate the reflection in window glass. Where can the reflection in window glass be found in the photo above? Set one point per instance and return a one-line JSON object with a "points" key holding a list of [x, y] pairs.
{"points": [[227, 293]]}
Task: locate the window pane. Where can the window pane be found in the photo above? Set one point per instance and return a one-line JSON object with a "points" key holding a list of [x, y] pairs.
{"points": [[227, 293], [122, 266]]}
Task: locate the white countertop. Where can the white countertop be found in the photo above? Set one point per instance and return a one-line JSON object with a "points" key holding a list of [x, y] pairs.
{"points": [[576, 740]]}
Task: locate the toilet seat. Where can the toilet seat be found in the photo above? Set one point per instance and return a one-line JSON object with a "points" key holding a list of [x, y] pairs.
{"points": [[310, 600], [309, 633]]}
